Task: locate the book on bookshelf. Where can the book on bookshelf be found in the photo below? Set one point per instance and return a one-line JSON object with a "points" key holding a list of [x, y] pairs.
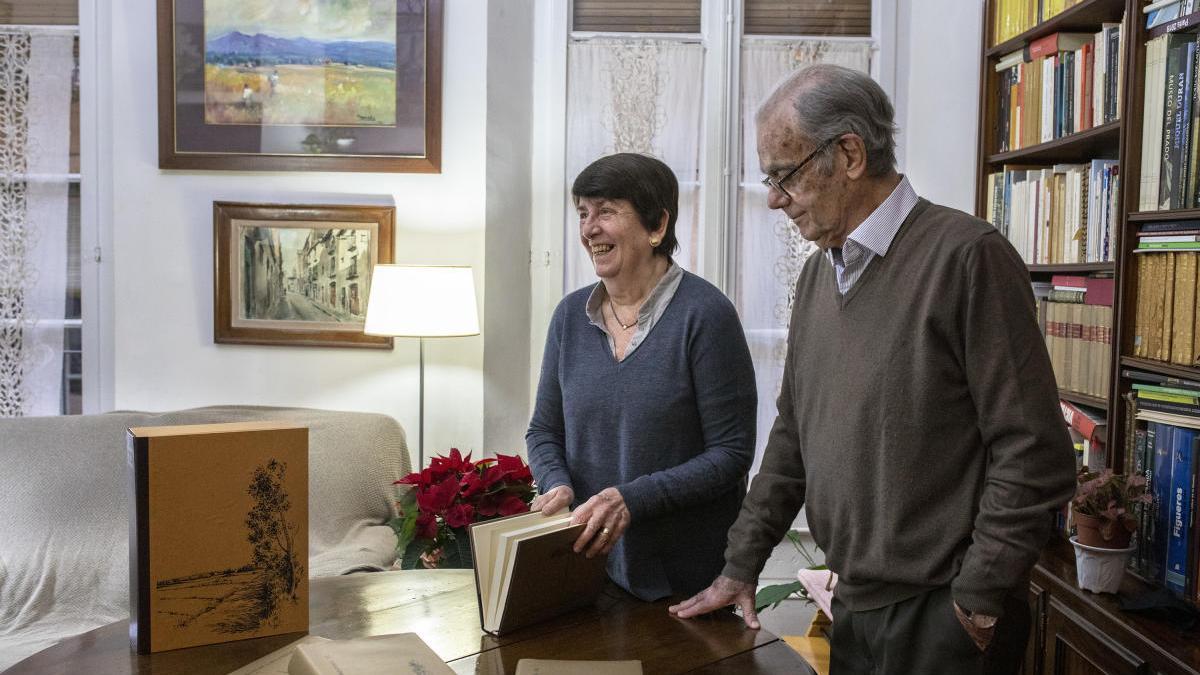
{"points": [[1059, 214], [526, 570], [1058, 85], [1165, 323]]}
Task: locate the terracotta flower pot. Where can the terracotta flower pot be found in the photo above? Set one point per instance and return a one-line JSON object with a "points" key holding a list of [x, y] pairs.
{"points": [[1087, 529]]}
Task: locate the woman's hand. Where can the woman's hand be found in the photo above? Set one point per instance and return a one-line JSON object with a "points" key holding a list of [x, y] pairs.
{"points": [[553, 501], [607, 518]]}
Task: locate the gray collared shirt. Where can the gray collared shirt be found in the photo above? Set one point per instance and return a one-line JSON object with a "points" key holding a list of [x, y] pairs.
{"points": [[652, 309], [873, 237]]}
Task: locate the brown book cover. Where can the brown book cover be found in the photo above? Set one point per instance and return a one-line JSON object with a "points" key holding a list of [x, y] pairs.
{"points": [[1156, 295], [1141, 337], [218, 545], [1184, 314], [1168, 282], [546, 577]]}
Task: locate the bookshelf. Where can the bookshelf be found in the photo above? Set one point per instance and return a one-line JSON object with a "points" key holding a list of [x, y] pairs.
{"points": [[1076, 631]]}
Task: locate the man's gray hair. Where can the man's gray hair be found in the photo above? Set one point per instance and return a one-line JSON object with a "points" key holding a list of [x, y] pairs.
{"points": [[831, 100]]}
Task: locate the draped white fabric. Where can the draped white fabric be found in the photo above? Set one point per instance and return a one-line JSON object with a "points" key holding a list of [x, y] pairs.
{"points": [[635, 95], [769, 251], [35, 104]]}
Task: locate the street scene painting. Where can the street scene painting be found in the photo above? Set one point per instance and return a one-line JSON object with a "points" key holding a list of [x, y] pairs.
{"points": [[297, 272], [298, 275], [302, 62]]}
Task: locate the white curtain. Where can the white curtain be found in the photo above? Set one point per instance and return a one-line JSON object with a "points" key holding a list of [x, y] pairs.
{"points": [[36, 72], [635, 95], [769, 251]]}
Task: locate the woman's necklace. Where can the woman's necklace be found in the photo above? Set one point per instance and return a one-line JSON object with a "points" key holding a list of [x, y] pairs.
{"points": [[616, 318]]}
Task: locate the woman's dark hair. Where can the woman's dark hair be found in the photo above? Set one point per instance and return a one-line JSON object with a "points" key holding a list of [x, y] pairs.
{"points": [[645, 182]]}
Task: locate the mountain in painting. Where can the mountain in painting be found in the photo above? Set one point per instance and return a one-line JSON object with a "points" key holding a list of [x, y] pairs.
{"points": [[262, 49]]}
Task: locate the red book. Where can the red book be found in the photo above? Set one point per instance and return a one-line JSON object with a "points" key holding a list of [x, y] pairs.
{"points": [[1058, 42], [1067, 282], [1099, 291], [1089, 427]]}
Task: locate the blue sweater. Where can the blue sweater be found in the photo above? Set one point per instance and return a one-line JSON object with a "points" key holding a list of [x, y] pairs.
{"points": [[671, 427]]}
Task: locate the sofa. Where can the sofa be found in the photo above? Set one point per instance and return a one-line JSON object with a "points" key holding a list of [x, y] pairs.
{"points": [[64, 510]]}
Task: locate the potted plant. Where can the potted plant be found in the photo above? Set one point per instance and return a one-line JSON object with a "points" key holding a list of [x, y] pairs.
{"points": [[1102, 510], [446, 497]]}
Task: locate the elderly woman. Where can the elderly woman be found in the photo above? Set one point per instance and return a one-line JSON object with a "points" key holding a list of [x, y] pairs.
{"points": [[645, 410]]}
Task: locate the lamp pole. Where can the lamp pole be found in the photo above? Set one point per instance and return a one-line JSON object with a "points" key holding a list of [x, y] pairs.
{"points": [[421, 405]]}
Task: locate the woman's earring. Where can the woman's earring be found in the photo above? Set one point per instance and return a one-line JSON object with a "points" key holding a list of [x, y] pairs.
{"points": [[653, 242]]}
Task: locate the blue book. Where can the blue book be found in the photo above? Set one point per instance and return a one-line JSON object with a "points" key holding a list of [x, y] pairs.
{"points": [[1160, 435], [1179, 509]]}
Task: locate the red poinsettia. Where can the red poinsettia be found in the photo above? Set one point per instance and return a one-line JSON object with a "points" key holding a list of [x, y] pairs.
{"points": [[450, 494]]}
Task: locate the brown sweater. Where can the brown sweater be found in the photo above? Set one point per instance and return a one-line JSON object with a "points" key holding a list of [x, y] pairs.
{"points": [[918, 420]]}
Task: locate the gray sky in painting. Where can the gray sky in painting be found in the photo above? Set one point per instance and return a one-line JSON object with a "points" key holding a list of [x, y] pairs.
{"points": [[322, 20]]}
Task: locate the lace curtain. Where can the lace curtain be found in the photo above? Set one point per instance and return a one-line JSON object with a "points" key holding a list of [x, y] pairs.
{"points": [[769, 251], [635, 95], [35, 103]]}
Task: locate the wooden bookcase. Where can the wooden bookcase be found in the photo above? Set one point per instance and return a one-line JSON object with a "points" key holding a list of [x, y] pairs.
{"points": [[1077, 631]]}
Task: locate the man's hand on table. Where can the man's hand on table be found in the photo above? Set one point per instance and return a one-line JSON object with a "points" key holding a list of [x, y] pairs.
{"points": [[722, 593]]}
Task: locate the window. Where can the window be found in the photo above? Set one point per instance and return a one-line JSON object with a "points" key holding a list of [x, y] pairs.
{"points": [[675, 79], [41, 289]]}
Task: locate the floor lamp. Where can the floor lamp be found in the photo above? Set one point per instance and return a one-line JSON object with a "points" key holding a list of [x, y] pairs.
{"points": [[422, 301]]}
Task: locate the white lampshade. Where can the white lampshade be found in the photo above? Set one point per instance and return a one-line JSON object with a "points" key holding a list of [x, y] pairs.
{"points": [[421, 301]]}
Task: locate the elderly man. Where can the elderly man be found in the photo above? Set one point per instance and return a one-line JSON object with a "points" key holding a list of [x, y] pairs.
{"points": [[918, 415]]}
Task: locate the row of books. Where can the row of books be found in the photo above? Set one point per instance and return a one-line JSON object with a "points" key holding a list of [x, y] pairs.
{"points": [[1065, 213], [1170, 129], [1075, 314], [1165, 448], [1165, 321], [1058, 85], [1162, 12], [1014, 17]]}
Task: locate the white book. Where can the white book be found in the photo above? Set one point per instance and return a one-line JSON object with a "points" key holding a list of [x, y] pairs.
{"points": [[527, 571], [379, 655]]}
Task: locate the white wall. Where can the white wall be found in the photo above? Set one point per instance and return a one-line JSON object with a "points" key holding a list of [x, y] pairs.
{"points": [[938, 97], [161, 257]]}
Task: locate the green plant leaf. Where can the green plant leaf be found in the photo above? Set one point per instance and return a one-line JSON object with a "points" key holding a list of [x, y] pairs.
{"points": [[411, 558], [771, 596], [405, 524]]}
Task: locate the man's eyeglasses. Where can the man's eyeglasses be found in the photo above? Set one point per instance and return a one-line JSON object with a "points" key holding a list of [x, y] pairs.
{"points": [[777, 183]]}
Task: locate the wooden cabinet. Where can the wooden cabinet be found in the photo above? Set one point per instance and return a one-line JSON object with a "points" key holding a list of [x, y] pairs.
{"points": [[1077, 632], [1075, 647]]}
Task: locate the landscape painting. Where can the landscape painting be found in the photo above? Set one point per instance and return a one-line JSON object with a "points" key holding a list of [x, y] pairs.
{"points": [[304, 62], [298, 274]]}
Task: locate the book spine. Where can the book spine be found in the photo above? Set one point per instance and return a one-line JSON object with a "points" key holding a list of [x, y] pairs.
{"points": [[1158, 435], [1169, 407], [1168, 170], [138, 460], [1139, 511], [1180, 503]]}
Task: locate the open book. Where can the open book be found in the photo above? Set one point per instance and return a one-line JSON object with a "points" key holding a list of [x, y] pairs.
{"points": [[526, 570]]}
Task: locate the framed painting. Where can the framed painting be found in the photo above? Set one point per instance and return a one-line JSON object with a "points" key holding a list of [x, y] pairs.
{"points": [[296, 274], [302, 85]]}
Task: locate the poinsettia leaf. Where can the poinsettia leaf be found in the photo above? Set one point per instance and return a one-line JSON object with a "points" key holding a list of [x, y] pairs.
{"points": [[771, 596]]}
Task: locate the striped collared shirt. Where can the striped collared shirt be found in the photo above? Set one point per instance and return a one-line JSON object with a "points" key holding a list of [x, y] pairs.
{"points": [[652, 308], [872, 237]]}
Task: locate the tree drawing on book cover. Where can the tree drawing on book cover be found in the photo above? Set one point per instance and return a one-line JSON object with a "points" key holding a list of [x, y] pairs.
{"points": [[243, 599]]}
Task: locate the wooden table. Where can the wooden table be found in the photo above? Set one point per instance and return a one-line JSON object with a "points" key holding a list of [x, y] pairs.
{"points": [[441, 607]]}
